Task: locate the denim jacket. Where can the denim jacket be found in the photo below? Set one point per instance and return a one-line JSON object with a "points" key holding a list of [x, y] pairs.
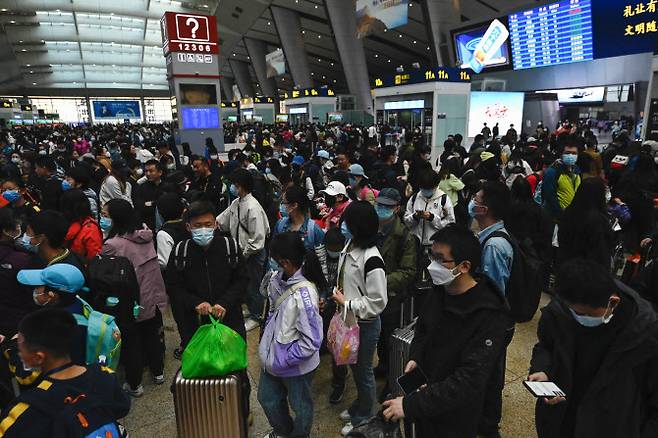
{"points": [[497, 255]]}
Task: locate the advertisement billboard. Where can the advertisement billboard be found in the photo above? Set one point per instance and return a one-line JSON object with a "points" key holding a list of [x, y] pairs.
{"points": [[198, 94], [375, 15], [116, 109], [624, 28], [466, 42], [579, 95], [275, 63], [488, 107]]}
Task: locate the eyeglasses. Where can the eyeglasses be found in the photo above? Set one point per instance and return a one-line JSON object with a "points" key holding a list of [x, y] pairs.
{"points": [[437, 258]]}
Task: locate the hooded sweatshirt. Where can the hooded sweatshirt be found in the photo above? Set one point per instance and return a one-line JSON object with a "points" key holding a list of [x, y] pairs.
{"points": [[293, 334], [138, 247]]}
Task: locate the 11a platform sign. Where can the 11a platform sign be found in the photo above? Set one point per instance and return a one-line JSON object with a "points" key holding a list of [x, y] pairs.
{"points": [[189, 33]]}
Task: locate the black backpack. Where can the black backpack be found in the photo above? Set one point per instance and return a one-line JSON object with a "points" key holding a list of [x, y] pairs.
{"points": [[525, 284], [114, 277], [74, 413], [263, 190]]}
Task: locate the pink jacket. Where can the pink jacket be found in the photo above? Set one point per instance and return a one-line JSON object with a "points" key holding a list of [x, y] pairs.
{"points": [[139, 249]]}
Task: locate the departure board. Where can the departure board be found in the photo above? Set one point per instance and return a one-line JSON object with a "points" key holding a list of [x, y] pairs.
{"points": [[557, 33]]}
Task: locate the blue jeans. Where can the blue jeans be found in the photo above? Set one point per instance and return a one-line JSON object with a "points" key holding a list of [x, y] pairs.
{"points": [[255, 268], [363, 407], [274, 395]]}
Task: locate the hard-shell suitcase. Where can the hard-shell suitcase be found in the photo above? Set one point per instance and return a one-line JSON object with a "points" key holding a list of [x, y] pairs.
{"points": [[209, 407], [399, 356]]}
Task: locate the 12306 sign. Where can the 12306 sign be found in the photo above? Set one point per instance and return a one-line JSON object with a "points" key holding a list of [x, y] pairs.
{"points": [[192, 33]]}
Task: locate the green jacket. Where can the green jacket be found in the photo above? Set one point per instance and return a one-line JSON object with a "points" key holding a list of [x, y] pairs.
{"points": [[400, 273]]}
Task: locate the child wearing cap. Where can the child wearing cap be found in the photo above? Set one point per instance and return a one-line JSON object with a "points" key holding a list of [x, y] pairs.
{"points": [[54, 286]]}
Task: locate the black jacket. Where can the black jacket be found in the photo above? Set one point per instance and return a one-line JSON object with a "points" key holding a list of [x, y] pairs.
{"points": [[145, 197], [457, 342], [211, 187], [622, 399], [208, 276], [15, 298], [591, 238]]}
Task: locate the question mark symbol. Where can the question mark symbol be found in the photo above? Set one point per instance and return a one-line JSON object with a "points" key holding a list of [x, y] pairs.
{"points": [[195, 25]]}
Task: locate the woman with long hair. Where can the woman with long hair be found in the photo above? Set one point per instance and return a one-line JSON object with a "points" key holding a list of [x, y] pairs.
{"points": [[84, 236], [116, 185], [127, 237], [585, 228], [361, 296]]}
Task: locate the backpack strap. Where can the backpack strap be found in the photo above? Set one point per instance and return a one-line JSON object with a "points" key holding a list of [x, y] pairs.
{"points": [[231, 250], [290, 291], [444, 197], [180, 254], [499, 233]]}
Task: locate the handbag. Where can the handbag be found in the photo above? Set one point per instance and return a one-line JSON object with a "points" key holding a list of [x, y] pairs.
{"points": [[343, 339]]}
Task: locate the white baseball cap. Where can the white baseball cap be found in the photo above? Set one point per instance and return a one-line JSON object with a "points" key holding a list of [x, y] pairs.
{"points": [[335, 188]]}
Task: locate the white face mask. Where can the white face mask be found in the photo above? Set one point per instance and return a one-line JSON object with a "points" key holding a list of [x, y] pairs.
{"points": [[441, 276]]}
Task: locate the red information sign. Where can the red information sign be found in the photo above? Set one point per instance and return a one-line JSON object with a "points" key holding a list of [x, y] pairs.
{"points": [[191, 33]]}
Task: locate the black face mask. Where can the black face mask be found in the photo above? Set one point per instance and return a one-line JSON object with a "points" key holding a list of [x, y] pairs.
{"points": [[329, 200]]}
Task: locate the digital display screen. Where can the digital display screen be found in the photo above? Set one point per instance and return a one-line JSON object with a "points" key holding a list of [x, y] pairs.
{"points": [[558, 33], [624, 28], [491, 108], [198, 94], [466, 42], [116, 109], [404, 104], [281, 118], [200, 118], [579, 95]]}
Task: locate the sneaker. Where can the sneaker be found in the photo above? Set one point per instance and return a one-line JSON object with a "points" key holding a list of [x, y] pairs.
{"points": [[346, 429], [273, 435], [246, 313], [159, 380], [178, 353], [251, 324], [138, 392], [345, 416], [336, 394]]}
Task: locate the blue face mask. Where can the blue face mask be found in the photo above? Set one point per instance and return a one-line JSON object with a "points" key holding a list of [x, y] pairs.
{"points": [[333, 254], [203, 236], [569, 159], [592, 321], [234, 190], [105, 223], [11, 195], [352, 181], [275, 266], [66, 185], [25, 241], [346, 231], [384, 213], [427, 193], [471, 209], [283, 210]]}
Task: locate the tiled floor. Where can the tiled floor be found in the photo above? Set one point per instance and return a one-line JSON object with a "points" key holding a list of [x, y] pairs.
{"points": [[152, 416]]}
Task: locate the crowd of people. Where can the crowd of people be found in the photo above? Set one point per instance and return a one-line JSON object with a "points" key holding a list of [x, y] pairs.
{"points": [[303, 223]]}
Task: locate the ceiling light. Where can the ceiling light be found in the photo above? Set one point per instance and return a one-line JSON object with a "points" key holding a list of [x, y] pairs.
{"points": [[334, 81], [234, 54], [31, 71], [319, 36], [400, 35], [23, 50], [414, 41], [319, 60], [376, 55], [316, 6], [303, 31], [269, 23], [324, 77], [20, 41], [312, 73], [3, 10], [385, 30], [27, 65], [428, 47], [332, 64], [389, 60], [34, 83], [12, 22]]}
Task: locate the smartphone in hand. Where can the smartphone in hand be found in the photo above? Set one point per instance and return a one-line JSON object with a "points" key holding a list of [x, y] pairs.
{"points": [[544, 389], [412, 381]]}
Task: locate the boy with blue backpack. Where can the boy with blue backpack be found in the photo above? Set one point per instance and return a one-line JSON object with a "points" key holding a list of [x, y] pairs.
{"points": [[97, 338], [70, 400]]}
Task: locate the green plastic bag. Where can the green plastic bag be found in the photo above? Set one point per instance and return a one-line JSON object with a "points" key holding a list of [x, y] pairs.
{"points": [[214, 350]]}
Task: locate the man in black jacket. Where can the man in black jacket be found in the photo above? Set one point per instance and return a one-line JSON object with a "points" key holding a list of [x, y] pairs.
{"points": [[146, 195], [206, 274], [598, 341], [205, 182], [46, 181], [458, 340]]}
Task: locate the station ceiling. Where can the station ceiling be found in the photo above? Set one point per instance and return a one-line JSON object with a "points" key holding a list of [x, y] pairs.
{"points": [[51, 46]]}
